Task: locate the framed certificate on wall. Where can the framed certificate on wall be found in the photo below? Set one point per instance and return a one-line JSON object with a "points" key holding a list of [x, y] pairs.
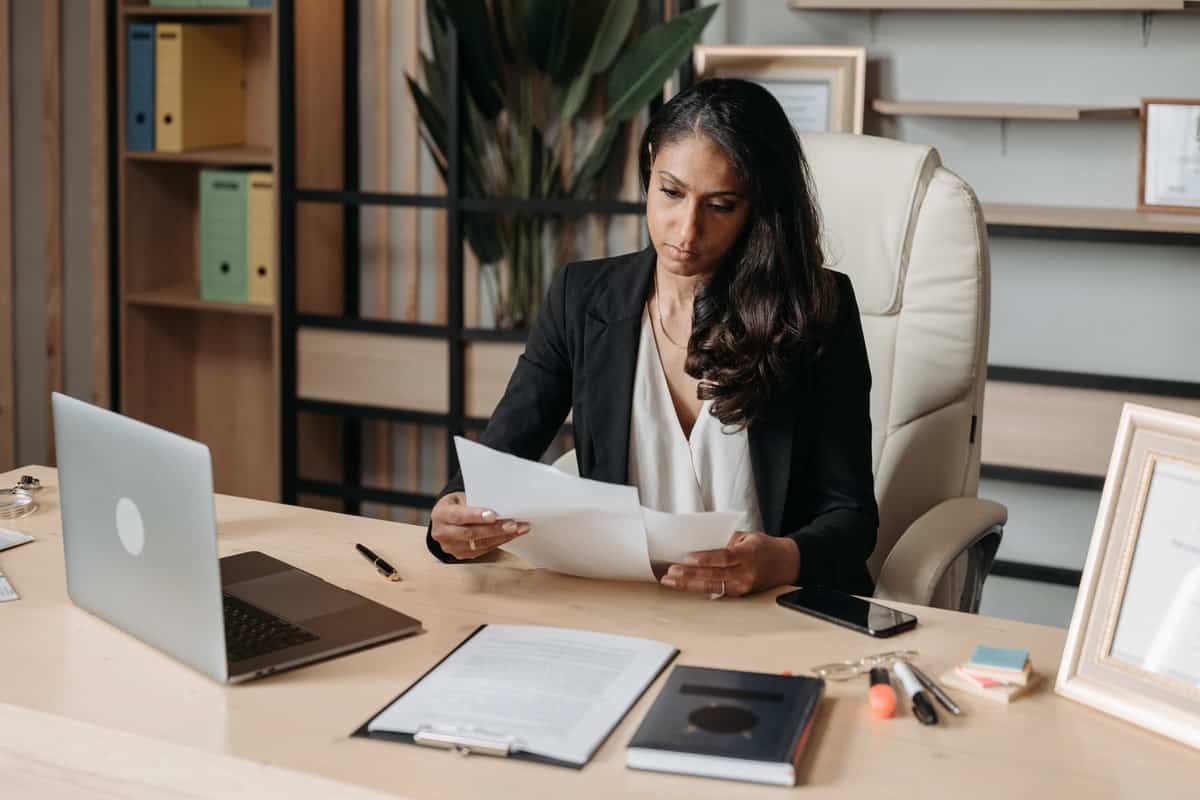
{"points": [[821, 89], [1169, 172], [1133, 649]]}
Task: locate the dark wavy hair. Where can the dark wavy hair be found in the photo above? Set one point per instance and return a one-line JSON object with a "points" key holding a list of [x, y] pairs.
{"points": [[763, 311]]}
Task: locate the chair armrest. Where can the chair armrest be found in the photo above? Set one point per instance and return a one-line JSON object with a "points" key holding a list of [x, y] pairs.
{"points": [[921, 556]]}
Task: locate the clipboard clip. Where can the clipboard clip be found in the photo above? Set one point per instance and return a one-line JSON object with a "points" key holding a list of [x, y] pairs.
{"points": [[466, 741]]}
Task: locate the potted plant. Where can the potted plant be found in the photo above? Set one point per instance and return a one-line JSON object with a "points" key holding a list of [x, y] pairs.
{"points": [[529, 69]]}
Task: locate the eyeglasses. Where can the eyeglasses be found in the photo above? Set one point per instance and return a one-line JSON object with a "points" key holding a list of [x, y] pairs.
{"points": [[845, 670]]}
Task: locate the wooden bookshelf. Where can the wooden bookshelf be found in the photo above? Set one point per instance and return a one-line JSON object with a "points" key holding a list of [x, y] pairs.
{"points": [[187, 297], [172, 12], [215, 156], [995, 5], [1096, 219], [1022, 111], [206, 370]]}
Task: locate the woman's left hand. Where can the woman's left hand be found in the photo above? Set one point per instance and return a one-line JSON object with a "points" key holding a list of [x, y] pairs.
{"points": [[751, 562]]}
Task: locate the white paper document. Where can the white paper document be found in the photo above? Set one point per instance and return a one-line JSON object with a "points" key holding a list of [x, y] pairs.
{"points": [[552, 692], [10, 538], [670, 537], [583, 527], [1172, 154], [577, 526], [806, 103], [1159, 625]]}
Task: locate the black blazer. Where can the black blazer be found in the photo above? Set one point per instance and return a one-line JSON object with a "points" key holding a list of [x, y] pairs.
{"points": [[810, 452]]}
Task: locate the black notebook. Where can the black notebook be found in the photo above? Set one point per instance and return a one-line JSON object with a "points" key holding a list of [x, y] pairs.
{"points": [[747, 726]]}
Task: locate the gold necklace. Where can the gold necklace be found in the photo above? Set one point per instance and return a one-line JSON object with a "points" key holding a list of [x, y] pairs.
{"points": [[662, 325]]}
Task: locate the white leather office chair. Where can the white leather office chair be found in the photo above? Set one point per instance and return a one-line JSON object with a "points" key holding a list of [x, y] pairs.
{"points": [[910, 234]]}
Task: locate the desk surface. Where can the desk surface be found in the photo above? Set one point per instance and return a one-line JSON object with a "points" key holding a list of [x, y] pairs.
{"points": [[109, 703]]}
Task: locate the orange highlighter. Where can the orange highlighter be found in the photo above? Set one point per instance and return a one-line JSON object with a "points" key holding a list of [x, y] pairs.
{"points": [[881, 696]]}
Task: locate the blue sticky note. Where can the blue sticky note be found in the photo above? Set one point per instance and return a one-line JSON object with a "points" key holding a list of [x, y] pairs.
{"points": [[1010, 658]]}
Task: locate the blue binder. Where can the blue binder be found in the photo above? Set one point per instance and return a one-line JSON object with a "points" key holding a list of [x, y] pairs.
{"points": [[139, 94]]}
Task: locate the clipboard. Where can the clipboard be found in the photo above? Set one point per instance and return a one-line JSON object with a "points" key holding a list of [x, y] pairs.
{"points": [[476, 742]]}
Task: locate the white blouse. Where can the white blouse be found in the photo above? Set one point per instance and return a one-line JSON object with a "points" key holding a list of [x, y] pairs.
{"points": [[708, 471]]}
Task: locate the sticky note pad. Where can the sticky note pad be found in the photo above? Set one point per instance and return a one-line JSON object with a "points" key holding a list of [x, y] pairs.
{"points": [[1007, 658]]}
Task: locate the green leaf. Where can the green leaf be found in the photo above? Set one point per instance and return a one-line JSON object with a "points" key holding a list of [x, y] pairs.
{"points": [[543, 22], [571, 50], [643, 68], [613, 31], [434, 122], [480, 65], [481, 230], [609, 36], [595, 161], [475, 127], [431, 117], [577, 92], [436, 14], [537, 152], [507, 16]]}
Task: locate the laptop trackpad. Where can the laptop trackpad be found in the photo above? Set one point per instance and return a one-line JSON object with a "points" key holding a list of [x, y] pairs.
{"points": [[294, 595]]}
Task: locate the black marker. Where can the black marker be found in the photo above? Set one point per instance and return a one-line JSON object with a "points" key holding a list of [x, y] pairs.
{"points": [[922, 707], [937, 691]]}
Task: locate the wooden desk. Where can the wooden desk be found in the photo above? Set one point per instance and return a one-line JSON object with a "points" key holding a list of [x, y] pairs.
{"points": [[109, 703]]}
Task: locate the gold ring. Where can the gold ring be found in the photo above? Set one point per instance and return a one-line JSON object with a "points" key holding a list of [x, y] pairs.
{"points": [[471, 543]]}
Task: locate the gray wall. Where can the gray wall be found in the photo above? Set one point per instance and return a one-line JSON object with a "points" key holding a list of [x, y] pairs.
{"points": [[1084, 307], [29, 219]]}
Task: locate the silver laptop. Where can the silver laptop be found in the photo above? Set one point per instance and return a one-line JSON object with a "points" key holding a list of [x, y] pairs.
{"points": [[139, 531]]}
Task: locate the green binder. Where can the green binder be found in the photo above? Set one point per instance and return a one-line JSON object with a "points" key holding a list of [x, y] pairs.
{"points": [[223, 273]]}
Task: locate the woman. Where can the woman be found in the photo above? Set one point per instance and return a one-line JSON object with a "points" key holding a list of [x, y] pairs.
{"points": [[722, 368]]}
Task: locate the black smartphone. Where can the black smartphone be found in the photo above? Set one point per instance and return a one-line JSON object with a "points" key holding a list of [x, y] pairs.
{"points": [[848, 611]]}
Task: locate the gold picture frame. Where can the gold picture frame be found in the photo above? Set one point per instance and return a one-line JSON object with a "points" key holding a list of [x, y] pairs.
{"points": [[812, 83], [1133, 649]]}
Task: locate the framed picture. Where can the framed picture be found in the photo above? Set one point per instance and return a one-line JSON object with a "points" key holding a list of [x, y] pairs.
{"points": [[1133, 649], [1169, 169], [822, 89]]}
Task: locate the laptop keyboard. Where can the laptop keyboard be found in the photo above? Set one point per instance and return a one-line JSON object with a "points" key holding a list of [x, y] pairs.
{"points": [[251, 632]]}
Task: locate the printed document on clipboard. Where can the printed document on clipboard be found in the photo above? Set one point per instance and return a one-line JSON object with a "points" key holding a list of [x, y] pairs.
{"points": [[544, 694]]}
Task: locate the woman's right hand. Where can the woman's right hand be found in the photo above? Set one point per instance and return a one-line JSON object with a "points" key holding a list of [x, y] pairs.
{"points": [[465, 532]]}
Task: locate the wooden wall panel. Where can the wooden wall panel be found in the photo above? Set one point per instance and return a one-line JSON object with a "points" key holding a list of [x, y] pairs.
{"points": [[486, 370], [372, 369], [380, 433], [8, 399], [319, 227], [98, 188], [1058, 429], [52, 176]]}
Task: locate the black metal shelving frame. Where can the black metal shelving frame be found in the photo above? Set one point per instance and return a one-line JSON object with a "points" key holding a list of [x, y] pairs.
{"points": [[456, 203]]}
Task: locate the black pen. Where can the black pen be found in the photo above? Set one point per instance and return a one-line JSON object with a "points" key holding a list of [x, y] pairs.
{"points": [[385, 569], [922, 707], [937, 691]]}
